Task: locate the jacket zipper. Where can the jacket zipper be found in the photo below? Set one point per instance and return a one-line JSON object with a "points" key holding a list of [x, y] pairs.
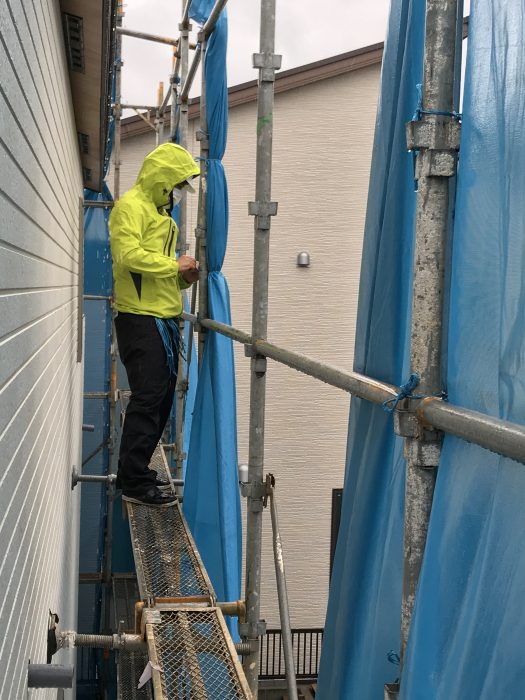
{"points": [[171, 236]]}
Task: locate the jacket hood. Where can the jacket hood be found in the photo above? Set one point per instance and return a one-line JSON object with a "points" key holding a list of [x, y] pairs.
{"points": [[163, 168]]}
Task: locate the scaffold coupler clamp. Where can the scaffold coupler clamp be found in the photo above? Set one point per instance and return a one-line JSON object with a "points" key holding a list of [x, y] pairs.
{"points": [[267, 63], [263, 211], [259, 362], [255, 491], [269, 486], [436, 140], [422, 441], [252, 630]]}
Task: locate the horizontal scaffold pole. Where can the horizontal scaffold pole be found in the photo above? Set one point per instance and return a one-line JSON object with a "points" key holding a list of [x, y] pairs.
{"points": [[147, 37], [500, 436]]}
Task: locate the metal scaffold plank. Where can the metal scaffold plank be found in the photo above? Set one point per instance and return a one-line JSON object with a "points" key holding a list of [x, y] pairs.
{"points": [[193, 649], [189, 646], [166, 559]]}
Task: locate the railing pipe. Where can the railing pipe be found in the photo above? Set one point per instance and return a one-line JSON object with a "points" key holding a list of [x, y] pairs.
{"points": [[147, 37], [352, 382], [494, 434], [282, 594]]}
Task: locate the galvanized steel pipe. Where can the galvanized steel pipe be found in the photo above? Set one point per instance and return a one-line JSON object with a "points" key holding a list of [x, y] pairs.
{"points": [[262, 209], [282, 596], [494, 434], [435, 165]]}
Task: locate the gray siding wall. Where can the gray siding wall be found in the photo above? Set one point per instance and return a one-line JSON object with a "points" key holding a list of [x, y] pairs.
{"points": [[40, 378], [323, 135]]}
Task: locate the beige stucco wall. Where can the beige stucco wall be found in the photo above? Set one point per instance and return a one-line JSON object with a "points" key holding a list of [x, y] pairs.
{"points": [[322, 150]]}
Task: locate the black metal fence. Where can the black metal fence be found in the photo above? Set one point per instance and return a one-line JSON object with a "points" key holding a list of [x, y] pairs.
{"points": [[306, 642]]}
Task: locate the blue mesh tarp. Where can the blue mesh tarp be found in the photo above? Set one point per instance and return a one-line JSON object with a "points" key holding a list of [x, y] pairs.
{"points": [[211, 494], [364, 609], [468, 622]]}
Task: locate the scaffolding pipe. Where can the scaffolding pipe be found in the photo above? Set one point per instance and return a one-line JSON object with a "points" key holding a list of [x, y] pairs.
{"points": [[186, 85], [147, 108], [262, 209], [112, 438], [352, 382], [422, 450], [182, 124], [494, 434], [202, 217], [100, 204], [147, 37], [210, 23], [186, 11], [159, 116], [282, 593], [117, 107]]}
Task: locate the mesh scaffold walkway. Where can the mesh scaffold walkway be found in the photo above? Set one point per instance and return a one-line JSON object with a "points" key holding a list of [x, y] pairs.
{"points": [[189, 645]]}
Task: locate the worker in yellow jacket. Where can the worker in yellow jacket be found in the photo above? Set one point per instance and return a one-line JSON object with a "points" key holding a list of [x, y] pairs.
{"points": [[148, 282]]}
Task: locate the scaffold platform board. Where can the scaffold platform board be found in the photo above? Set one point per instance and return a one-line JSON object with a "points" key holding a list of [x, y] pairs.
{"points": [[191, 652]]}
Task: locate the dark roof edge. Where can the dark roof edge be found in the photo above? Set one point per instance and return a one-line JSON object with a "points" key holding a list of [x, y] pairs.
{"points": [[284, 80], [282, 75]]}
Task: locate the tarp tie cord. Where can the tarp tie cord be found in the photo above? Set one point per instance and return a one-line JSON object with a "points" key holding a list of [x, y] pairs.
{"points": [[417, 117], [405, 392], [170, 334], [393, 658], [419, 109]]}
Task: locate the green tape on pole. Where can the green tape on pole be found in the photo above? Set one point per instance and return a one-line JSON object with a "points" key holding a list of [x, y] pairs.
{"points": [[267, 119]]}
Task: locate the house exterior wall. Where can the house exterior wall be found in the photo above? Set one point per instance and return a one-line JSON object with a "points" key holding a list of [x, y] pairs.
{"points": [[40, 376], [323, 135]]}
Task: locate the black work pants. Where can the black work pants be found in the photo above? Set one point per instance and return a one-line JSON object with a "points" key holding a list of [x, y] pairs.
{"points": [[152, 388]]}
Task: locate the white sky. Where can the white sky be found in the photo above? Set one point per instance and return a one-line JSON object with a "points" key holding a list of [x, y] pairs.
{"points": [[306, 31]]}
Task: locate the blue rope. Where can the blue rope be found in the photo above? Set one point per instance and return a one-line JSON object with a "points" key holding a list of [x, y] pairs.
{"points": [[419, 109], [171, 339], [393, 658], [405, 390], [416, 117]]}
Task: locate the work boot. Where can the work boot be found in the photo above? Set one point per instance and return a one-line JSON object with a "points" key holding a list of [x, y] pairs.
{"points": [[159, 483], [152, 497]]}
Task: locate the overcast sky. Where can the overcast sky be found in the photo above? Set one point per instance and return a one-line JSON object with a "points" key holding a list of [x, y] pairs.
{"points": [[307, 30]]}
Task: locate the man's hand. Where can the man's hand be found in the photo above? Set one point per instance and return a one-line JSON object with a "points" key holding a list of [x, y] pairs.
{"points": [[189, 268]]}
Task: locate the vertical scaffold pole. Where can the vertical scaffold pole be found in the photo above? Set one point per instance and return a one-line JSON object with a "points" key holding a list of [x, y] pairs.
{"points": [[113, 346], [159, 117], [435, 136], [202, 217], [262, 209], [117, 109], [182, 246]]}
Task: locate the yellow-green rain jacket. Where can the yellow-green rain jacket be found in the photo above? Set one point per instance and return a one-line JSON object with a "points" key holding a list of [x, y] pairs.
{"points": [[143, 237]]}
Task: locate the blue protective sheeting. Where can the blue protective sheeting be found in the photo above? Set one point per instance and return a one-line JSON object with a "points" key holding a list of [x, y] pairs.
{"points": [[469, 623], [211, 494], [363, 618]]}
